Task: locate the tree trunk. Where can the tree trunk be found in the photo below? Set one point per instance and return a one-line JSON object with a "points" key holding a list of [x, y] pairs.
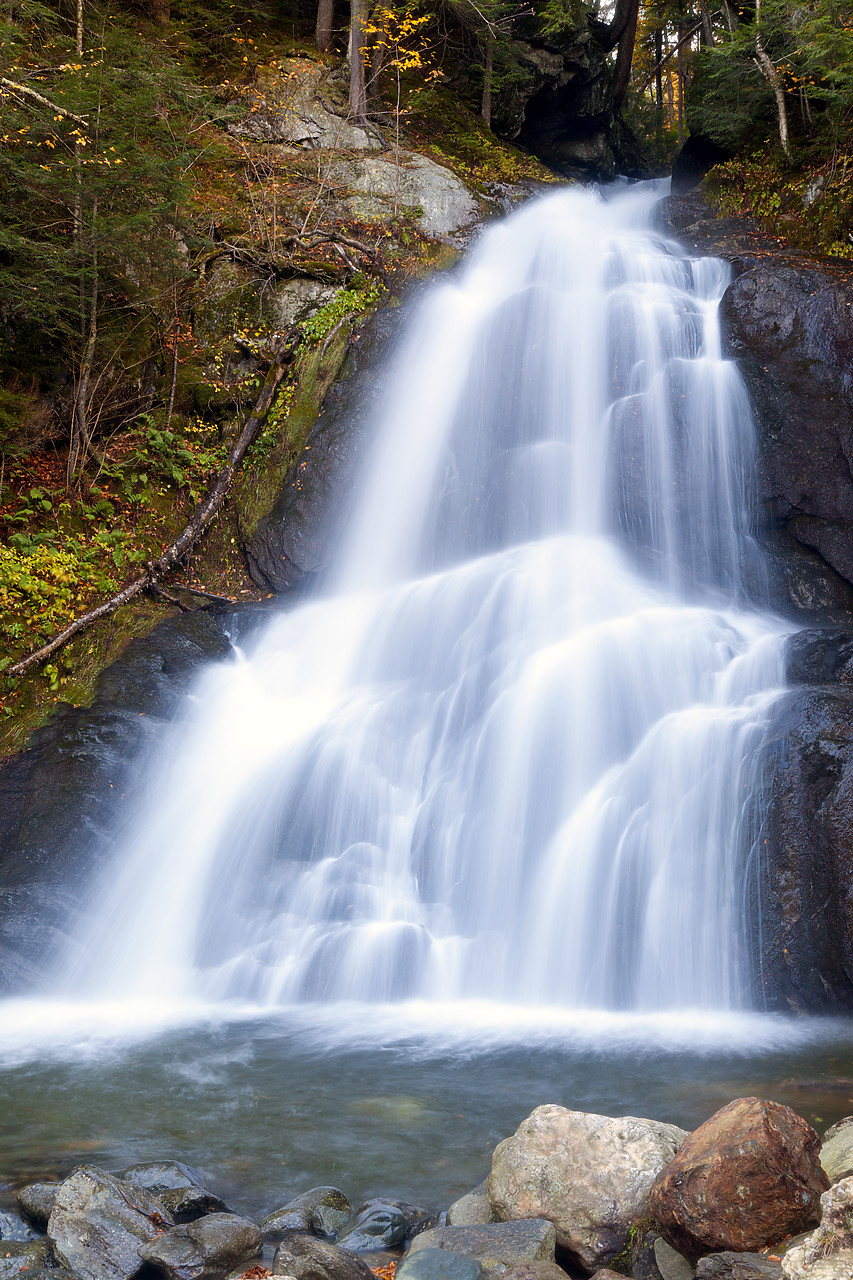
{"points": [[624, 57], [624, 16], [486, 106], [767, 68], [357, 43], [680, 72], [378, 58], [78, 447], [707, 29], [325, 23]]}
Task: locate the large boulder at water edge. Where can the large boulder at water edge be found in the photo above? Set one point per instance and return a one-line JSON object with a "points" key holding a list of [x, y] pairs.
{"points": [[590, 1175], [498, 1246], [305, 1258], [204, 1250], [99, 1222], [747, 1177]]}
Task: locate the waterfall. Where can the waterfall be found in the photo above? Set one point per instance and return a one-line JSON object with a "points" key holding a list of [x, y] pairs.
{"points": [[508, 753]]}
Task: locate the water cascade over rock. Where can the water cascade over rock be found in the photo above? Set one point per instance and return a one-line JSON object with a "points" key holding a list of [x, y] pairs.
{"points": [[508, 754]]}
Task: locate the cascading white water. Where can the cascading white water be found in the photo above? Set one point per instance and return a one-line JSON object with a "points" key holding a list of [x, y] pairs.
{"points": [[509, 753]]}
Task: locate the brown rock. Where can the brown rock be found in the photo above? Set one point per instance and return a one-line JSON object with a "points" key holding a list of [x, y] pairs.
{"points": [[747, 1177]]}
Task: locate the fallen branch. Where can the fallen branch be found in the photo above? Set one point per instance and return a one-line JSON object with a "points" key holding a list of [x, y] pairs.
{"points": [[27, 92], [185, 541]]}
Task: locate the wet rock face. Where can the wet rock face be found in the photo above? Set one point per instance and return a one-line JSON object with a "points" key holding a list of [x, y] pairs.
{"points": [[65, 800], [295, 541], [305, 1258], [98, 1224], [749, 1176], [204, 1250], [498, 1246]]}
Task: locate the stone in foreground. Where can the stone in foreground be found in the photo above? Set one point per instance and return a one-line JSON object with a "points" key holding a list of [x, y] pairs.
{"points": [[826, 1254], [204, 1250], [588, 1174], [498, 1247], [98, 1223], [305, 1258], [738, 1266], [472, 1210], [25, 1257], [182, 1189], [749, 1176], [36, 1203], [379, 1224], [299, 1214], [836, 1152], [438, 1264]]}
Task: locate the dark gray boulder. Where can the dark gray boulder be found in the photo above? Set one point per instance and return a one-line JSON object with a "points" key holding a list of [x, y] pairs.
{"points": [[25, 1257], [98, 1223], [36, 1202], [496, 1246], [307, 1258], [439, 1264], [204, 1250]]}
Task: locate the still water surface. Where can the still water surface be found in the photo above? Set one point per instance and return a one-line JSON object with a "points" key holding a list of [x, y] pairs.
{"points": [[269, 1106]]}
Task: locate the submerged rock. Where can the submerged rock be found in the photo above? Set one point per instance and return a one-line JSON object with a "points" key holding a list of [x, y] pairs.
{"points": [[590, 1175], [204, 1250], [306, 1258], [99, 1222], [748, 1176], [497, 1246]]}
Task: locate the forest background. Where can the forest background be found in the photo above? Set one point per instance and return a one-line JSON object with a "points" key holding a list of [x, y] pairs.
{"points": [[137, 447]]}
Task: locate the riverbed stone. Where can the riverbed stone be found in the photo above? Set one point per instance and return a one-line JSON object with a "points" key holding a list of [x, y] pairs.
{"points": [[474, 1209], [438, 1264], [651, 1258], [98, 1223], [749, 1176], [326, 1205], [14, 1228], [306, 1258], [378, 1224], [739, 1266], [588, 1174], [204, 1250], [182, 1189], [836, 1152], [23, 1257], [497, 1246], [36, 1202]]}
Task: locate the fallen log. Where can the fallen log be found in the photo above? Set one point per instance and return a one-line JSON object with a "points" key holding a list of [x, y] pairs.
{"points": [[187, 538]]}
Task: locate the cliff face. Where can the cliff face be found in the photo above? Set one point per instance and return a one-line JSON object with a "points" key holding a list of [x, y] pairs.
{"points": [[559, 105], [788, 321]]}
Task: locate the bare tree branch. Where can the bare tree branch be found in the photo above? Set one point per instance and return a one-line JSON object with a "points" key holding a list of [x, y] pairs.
{"points": [[13, 87]]}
